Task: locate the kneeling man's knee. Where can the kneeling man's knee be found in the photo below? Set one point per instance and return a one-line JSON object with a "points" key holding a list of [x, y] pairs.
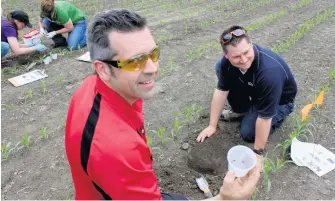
{"points": [[247, 134]]}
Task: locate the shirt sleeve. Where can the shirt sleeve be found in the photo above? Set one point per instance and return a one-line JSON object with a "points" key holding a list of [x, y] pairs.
{"points": [[9, 31], [223, 78], [62, 16], [124, 173], [269, 90]]}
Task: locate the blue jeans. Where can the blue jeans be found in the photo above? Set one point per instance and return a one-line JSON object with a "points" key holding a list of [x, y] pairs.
{"points": [[248, 124], [76, 38], [4, 48], [241, 103]]}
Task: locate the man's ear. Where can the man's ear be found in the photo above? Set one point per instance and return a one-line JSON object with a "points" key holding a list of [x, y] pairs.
{"points": [[225, 55], [102, 70]]}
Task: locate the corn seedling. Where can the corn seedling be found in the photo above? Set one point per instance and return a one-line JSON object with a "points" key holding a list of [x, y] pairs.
{"points": [[59, 79], [188, 114], [6, 150], [254, 195], [186, 29], [302, 130], [44, 86], [172, 66], [197, 52], [266, 170], [43, 133], [149, 138], [303, 29], [198, 112], [270, 166], [176, 128], [29, 95], [160, 132], [25, 140], [331, 75], [190, 55], [5, 106], [162, 70]]}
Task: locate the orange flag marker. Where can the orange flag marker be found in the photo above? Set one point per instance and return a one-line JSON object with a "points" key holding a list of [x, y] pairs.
{"points": [[318, 101]]}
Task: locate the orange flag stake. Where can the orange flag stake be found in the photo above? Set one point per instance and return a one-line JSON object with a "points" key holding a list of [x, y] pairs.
{"points": [[320, 98], [318, 101]]}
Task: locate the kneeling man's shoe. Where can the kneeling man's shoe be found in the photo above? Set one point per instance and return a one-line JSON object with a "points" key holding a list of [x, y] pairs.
{"points": [[228, 115]]}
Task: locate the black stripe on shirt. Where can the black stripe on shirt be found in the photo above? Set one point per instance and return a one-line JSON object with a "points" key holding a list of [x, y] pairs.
{"points": [[87, 138]]}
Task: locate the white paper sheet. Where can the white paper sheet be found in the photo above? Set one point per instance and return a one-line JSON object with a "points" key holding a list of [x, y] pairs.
{"points": [[28, 78], [85, 57], [314, 156]]}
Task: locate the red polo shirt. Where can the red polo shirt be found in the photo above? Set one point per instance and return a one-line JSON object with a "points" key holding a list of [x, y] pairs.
{"points": [[106, 146]]}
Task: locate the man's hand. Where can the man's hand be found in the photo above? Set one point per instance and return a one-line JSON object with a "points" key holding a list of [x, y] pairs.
{"points": [[240, 188], [260, 160], [207, 132]]}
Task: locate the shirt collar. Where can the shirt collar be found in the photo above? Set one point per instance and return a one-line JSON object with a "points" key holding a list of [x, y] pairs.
{"points": [[255, 63], [116, 101]]}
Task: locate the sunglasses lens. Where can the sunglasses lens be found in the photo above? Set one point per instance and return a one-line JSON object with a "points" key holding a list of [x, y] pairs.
{"points": [[227, 36], [155, 54], [134, 64], [238, 32], [139, 63]]}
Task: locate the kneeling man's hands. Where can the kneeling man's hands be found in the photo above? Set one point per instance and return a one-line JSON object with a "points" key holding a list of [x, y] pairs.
{"points": [[240, 188], [207, 132]]}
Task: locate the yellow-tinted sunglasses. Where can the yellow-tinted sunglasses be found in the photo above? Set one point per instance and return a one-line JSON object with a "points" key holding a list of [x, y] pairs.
{"points": [[135, 63]]}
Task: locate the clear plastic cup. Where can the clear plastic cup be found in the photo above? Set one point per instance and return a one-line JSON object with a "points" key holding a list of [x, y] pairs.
{"points": [[241, 160]]}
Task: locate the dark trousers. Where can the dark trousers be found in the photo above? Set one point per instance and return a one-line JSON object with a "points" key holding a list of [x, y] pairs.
{"points": [[171, 196], [76, 38], [240, 102]]}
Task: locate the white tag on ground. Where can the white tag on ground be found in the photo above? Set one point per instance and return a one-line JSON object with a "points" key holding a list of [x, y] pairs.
{"points": [[85, 57], [314, 156], [27, 78]]}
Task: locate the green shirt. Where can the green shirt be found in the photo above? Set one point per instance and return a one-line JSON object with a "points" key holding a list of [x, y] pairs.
{"points": [[64, 11]]}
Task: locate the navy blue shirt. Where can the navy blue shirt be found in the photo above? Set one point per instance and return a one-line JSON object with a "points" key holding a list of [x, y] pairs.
{"points": [[268, 82]]}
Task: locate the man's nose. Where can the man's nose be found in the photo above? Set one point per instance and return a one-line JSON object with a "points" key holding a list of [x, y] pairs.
{"points": [[150, 67], [244, 59]]}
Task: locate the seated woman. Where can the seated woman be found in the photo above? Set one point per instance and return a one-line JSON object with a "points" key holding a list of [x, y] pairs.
{"points": [[59, 17], [10, 25]]}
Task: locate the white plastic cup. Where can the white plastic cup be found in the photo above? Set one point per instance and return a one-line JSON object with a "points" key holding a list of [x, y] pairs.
{"points": [[241, 160], [47, 60], [54, 56]]}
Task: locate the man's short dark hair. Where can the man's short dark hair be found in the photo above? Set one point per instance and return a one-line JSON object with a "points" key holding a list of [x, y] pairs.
{"points": [[235, 40], [103, 23]]}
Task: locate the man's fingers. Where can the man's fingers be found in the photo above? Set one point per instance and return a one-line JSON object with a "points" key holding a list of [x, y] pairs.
{"points": [[253, 177], [229, 178], [199, 138]]}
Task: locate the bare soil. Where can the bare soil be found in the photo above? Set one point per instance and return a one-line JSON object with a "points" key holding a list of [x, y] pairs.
{"points": [[42, 171]]}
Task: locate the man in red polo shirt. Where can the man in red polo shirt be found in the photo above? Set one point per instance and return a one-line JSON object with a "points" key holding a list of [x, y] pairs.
{"points": [[105, 138]]}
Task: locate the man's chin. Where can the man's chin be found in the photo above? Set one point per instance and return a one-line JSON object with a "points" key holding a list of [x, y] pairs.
{"points": [[244, 68], [148, 95]]}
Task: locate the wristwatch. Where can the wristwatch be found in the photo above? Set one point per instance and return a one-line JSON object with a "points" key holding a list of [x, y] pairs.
{"points": [[259, 151]]}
